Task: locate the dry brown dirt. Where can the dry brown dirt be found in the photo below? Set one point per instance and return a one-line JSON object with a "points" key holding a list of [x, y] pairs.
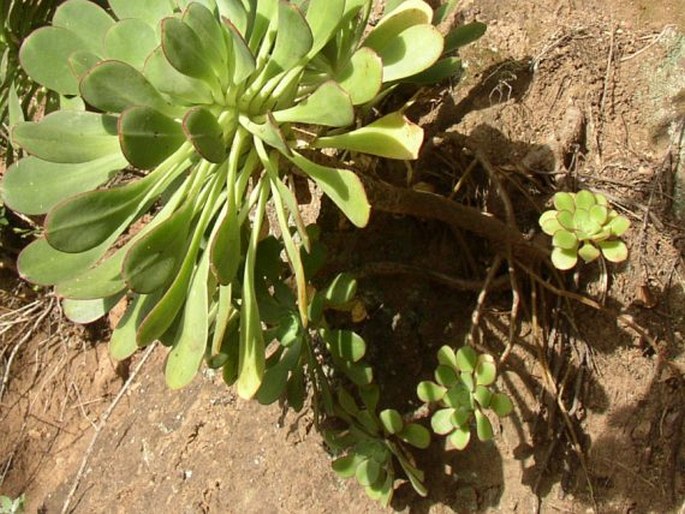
{"points": [[558, 94]]}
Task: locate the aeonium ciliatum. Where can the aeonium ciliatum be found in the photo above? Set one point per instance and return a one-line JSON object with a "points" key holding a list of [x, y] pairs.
{"points": [[208, 100]]}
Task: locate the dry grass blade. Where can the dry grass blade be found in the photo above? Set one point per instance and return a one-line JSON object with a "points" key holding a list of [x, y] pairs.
{"points": [[42, 308]]}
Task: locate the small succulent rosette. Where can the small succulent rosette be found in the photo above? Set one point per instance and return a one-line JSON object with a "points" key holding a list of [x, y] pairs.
{"points": [[584, 225], [464, 392]]}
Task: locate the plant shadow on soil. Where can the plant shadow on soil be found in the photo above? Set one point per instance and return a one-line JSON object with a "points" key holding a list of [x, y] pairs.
{"points": [[411, 314]]}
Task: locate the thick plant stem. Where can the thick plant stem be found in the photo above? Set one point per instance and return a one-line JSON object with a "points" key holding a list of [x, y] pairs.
{"points": [[388, 198]]}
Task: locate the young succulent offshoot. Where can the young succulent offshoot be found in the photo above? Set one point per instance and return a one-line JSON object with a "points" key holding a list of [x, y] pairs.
{"points": [[463, 389], [584, 225], [372, 442]]}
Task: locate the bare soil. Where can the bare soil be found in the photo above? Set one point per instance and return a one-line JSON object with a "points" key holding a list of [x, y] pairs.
{"points": [[557, 95]]}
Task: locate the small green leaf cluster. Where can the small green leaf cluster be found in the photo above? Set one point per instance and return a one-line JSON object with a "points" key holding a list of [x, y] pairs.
{"points": [[293, 359], [10, 506], [463, 390], [584, 225], [372, 442]]}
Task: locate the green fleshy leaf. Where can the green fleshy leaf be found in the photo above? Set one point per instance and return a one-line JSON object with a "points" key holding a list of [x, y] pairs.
{"points": [[412, 51], [414, 475], [405, 15], [614, 251], [122, 343], [460, 438], [347, 403], [187, 353], [346, 466], [243, 59], [165, 313], [588, 252], [210, 33], [549, 223], [293, 40], [44, 56], [467, 380], [185, 52], [382, 490], [416, 435], [86, 19], [342, 186], [599, 213], [370, 395], [269, 132], [360, 374], [345, 344], [225, 248], [276, 377], [585, 200], [564, 259], [99, 281], [467, 359], [483, 396], [443, 11], [15, 112], [262, 30], [391, 420], [251, 358], [458, 396], [362, 76], [235, 11], [430, 392], [445, 376], [501, 404], [323, 17], [566, 220], [486, 370], [69, 137], [585, 225], [153, 261], [464, 35], [42, 264], [342, 290], [148, 137], [565, 239], [150, 11], [131, 41], [206, 135], [113, 86], [447, 357], [329, 105], [368, 472], [619, 225], [86, 220], [224, 322], [73, 103], [25, 184], [483, 426], [81, 63], [564, 202], [461, 417], [87, 311], [392, 136], [441, 421], [169, 80]]}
